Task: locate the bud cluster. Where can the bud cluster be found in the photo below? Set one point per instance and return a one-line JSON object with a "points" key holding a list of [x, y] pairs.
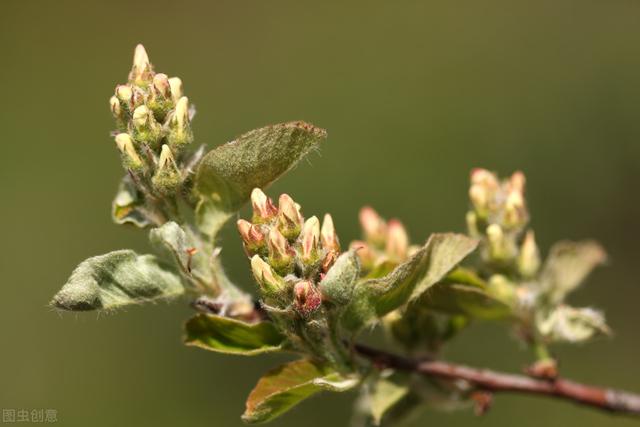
{"points": [[385, 244], [153, 124], [499, 216], [289, 255]]}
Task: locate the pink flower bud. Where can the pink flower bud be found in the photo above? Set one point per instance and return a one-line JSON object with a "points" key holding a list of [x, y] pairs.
{"points": [[328, 235], [290, 219], [307, 298], [397, 241], [270, 283], [310, 236], [263, 208], [251, 236], [374, 227], [280, 253], [365, 253]]}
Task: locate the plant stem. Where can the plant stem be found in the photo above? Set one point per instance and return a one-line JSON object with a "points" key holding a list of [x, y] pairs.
{"points": [[605, 399]]}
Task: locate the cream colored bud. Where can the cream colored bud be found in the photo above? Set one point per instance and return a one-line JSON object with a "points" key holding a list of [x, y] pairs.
{"points": [[251, 236], [263, 208], [328, 235], [161, 85], [181, 115], [529, 257], [310, 236], [124, 93], [141, 116], [167, 161], [485, 178], [125, 145], [515, 213], [472, 224], [495, 234], [114, 104], [269, 281], [141, 72], [517, 182], [479, 197], [176, 88], [397, 241], [280, 253], [365, 253]]}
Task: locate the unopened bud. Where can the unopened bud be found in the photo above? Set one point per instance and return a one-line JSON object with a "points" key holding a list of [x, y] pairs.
{"points": [[125, 145], [180, 130], [374, 227], [263, 208], [176, 88], [114, 103], [328, 235], [141, 72], [290, 219], [141, 116], [485, 178], [280, 253], [529, 257], [397, 241], [472, 224], [146, 128], [124, 94], [501, 247], [515, 214], [309, 238], [307, 298], [253, 239], [502, 289], [270, 283], [517, 182], [479, 197], [365, 254], [167, 177], [161, 85]]}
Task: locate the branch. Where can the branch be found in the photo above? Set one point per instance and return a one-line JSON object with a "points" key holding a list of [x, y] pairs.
{"points": [[605, 399]]}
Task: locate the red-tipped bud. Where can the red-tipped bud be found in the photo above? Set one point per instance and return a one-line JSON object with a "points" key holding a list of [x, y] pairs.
{"points": [[397, 241], [328, 260], [280, 253], [485, 178], [517, 182], [290, 219], [307, 298], [251, 236], [161, 85], [374, 227], [263, 208], [328, 235], [309, 238]]}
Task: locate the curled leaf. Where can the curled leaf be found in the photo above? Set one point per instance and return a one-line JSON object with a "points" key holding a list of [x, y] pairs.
{"points": [[284, 387], [231, 336], [128, 205], [117, 279], [227, 174], [571, 324]]}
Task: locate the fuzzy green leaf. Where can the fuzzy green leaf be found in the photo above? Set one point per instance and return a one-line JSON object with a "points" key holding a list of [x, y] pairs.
{"points": [[228, 173], [568, 264], [337, 286], [231, 336], [373, 298], [469, 300], [128, 205], [117, 279], [282, 388]]}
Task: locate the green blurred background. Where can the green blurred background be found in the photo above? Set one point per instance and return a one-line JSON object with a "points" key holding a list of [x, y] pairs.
{"points": [[413, 93]]}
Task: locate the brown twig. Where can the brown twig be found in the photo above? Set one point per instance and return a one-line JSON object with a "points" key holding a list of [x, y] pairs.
{"points": [[605, 399]]}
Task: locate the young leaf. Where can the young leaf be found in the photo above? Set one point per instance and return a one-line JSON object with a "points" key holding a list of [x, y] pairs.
{"points": [[284, 387], [337, 286], [128, 205], [374, 298], [116, 279], [471, 301], [228, 173], [568, 264], [384, 397], [571, 324], [231, 336]]}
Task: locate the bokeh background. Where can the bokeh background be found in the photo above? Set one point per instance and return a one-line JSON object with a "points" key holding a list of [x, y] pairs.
{"points": [[413, 93]]}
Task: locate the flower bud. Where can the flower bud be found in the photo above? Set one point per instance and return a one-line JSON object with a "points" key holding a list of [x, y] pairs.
{"points": [[309, 238], [484, 178], [142, 71], [167, 177], [365, 254], [130, 157], [328, 235], [529, 257], [180, 130], [375, 228], [253, 239], [290, 219], [397, 241], [125, 94], [176, 88], [263, 208], [517, 182], [270, 283], [306, 297], [146, 129], [114, 103], [479, 197], [495, 236], [161, 85], [280, 253], [515, 213], [472, 224]]}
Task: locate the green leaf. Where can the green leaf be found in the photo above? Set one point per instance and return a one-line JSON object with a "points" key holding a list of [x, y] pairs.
{"points": [[282, 388], [231, 336], [337, 286], [568, 264], [117, 279], [573, 325], [373, 298], [228, 173], [386, 395], [464, 299], [128, 205]]}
